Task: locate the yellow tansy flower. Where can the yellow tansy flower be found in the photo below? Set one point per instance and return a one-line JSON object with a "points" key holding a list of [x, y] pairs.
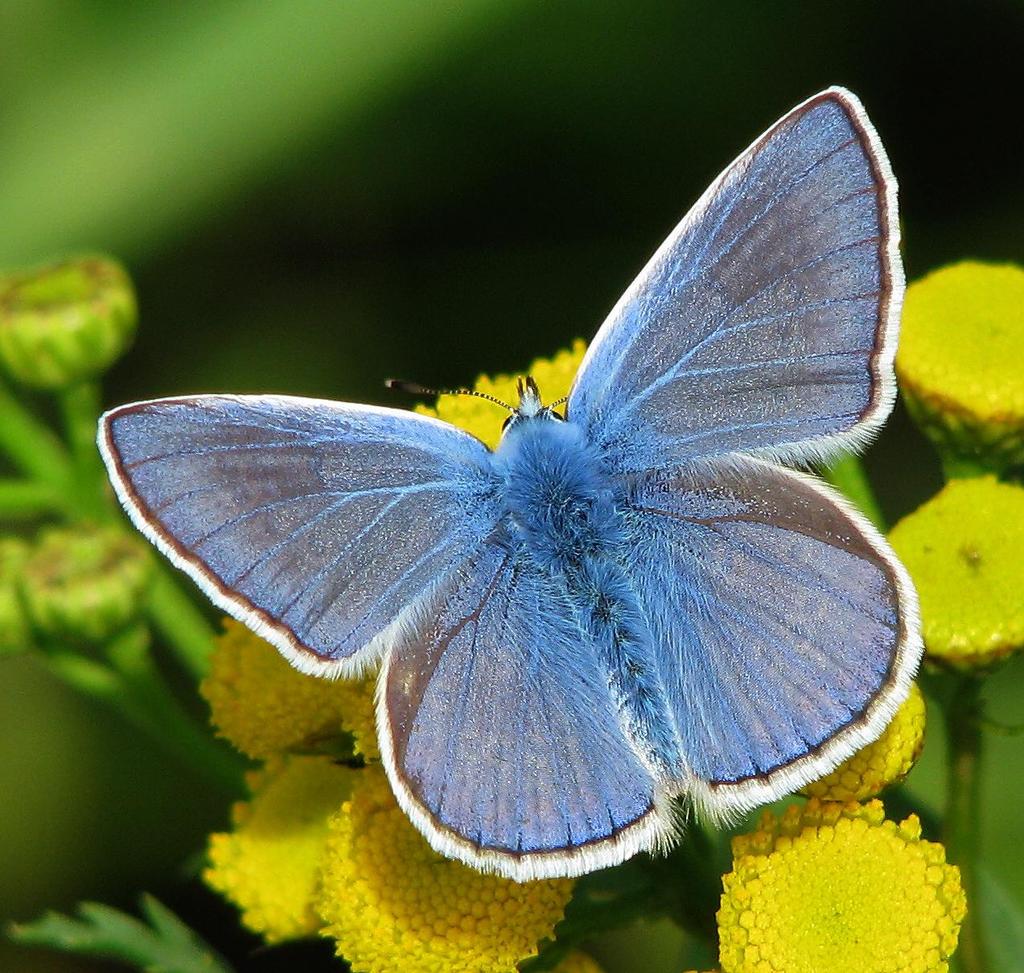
{"points": [[264, 706], [874, 767], [837, 887], [269, 864], [959, 361], [481, 418], [395, 906], [963, 550]]}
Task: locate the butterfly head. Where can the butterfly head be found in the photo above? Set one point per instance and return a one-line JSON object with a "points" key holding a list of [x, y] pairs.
{"points": [[530, 406]]}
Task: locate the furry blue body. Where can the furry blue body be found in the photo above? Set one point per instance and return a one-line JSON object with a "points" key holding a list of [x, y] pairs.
{"points": [[564, 513]]}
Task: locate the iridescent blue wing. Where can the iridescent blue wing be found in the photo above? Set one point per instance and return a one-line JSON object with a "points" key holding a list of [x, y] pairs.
{"points": [[786, 629], [500, 736], [323, 526], [767, 321]]}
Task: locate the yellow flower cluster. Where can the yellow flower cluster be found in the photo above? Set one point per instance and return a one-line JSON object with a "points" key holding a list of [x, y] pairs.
{"points": [[269, 864], [963, 550], [886, 761], [395, 906], [961, 345], [264, 706], [837, 887]]}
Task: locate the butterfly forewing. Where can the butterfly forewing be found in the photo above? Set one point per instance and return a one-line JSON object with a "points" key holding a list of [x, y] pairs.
{"points": [[319, 524], [766, 321]]}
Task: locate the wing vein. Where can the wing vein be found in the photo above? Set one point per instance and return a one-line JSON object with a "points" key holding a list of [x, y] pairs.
{"points": [[719, 331]]}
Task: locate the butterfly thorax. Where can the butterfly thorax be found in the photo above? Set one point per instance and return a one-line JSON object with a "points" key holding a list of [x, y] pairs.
{"points": [[559, 504]]}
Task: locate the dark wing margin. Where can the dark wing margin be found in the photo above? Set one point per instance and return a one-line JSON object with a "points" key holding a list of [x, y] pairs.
{"points": [[325, 527]]}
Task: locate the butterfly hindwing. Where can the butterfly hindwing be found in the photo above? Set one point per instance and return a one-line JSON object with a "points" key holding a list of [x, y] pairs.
{"points": [[319, 524], [767, 319], [787, 629], [500, 736]]}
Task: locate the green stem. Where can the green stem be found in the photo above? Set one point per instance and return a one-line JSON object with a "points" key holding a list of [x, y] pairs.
{"points": [[848, 476], [963, 728], [31, 444], [80, 408], [27, 499], [685, 886], [87, 677], [592, 918], [129, 654], [109, 687], [692, 880], [962, 468], [183, 626]]}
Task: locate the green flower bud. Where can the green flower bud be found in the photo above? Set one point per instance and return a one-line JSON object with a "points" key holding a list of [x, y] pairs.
{"points": [[959, 363], [85, 582], [66, 322], [15, 635]]}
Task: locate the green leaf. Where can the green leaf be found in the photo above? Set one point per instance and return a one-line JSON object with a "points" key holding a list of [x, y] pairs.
{"points": [[1003, 921], [848, 477], [166, 945]]}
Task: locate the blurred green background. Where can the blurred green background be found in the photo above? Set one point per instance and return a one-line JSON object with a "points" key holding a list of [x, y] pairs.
{"points": [[313, 196]]}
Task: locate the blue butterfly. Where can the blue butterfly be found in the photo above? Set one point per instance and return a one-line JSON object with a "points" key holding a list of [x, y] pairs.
{"points": [[621, 610]]}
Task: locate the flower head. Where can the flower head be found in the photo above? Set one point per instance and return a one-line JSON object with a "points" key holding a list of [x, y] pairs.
{"points": [[65, 323], [963, 550], [85, 582], [885, 761], [961, 345], [269, 864], [837, 887], [395, 906], [264, 706]]}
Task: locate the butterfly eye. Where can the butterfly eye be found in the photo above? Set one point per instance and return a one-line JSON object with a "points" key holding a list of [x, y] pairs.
{"points": [[507, 422]]}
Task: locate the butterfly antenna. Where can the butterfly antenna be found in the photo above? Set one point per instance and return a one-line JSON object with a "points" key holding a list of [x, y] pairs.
{"points": [[414, 388], [558, 402]]}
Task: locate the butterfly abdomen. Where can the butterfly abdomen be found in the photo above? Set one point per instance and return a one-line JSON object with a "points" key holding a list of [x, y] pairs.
{"points": [[608, 611]]}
